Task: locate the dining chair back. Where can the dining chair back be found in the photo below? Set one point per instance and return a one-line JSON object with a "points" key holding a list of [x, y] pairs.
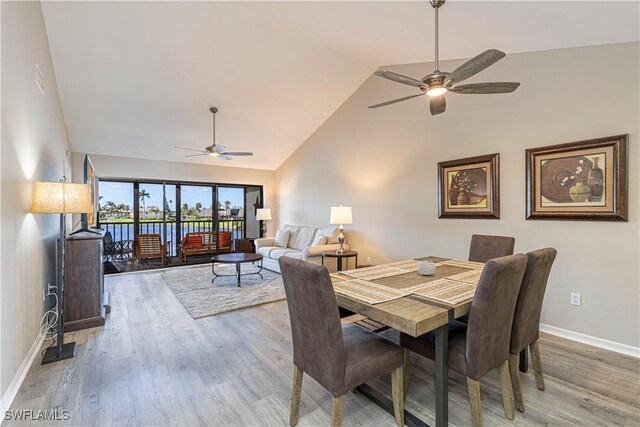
{"points": [[491, 314], [483, 248], [525, 331], [339, 358]]}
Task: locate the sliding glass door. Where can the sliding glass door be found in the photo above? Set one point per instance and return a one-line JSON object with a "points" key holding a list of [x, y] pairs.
{"points": [[173, 209]]}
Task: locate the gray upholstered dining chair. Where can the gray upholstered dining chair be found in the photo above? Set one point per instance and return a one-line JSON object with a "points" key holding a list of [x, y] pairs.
{"points": [[339, 358], [483, 248], [525, 331], [484, 344]]}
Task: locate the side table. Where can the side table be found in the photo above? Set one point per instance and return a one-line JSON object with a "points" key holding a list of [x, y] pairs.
{"points": [[340, 256], [245, 245]]}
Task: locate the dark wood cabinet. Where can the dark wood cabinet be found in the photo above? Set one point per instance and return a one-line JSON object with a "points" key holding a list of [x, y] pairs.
{"points": [[84, 298], [245, 245]]}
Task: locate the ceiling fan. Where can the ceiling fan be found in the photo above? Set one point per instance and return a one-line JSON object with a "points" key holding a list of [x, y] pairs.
{"points": [[215, 150], [437, 83]]}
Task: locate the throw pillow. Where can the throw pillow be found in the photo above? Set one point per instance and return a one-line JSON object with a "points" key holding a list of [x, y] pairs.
{"points": [[331, 234], [319, 240], [282, 238]]}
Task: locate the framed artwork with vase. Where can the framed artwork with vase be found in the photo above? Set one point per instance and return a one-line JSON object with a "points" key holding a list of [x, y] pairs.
{"points": [[583, 180], [469, 188]]}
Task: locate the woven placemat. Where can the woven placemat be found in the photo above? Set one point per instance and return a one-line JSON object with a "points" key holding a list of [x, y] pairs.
{"points": [[472, 277], [407, 265], [369, 292], [464, 264], [373, 273], [445, 290]]}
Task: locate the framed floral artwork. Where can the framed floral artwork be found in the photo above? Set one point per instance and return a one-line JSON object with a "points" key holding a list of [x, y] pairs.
{"points": [[583, 180], [469, 188]]}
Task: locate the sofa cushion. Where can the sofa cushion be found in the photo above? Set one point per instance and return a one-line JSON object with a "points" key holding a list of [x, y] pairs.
{"points": [[282, 238], [294, 254], [193, 242], [331, 233], [265, 251], [294, 230], [319, 240], [278, 252], [303, 239]]}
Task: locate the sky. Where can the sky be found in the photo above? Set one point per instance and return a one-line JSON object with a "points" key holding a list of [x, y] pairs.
{"points": [[122, 192]]}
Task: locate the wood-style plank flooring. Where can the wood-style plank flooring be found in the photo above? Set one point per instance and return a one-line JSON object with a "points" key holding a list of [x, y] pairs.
{"points": [[152, 364]]}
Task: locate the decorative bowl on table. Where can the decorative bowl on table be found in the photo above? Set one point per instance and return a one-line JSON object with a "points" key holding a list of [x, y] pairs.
{"points": [[426, 268]]}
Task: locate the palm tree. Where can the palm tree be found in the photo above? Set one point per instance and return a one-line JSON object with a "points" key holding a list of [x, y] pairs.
{"points": [[122, 208], [144, 195], [198, 206], [109, 207]]}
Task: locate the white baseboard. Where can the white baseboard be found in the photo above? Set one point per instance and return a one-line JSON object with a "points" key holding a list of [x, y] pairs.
{"points": [[11, 392], [591, 340]]}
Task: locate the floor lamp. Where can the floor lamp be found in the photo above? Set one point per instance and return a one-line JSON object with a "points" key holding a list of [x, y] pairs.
{"points": [[60, 198], [262, 215]]}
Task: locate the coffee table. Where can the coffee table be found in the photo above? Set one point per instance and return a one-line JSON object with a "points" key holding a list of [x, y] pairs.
{"points": [[237, 259]]}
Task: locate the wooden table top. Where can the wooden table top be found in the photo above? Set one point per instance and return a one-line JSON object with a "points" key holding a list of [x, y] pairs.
{"points": [[235, 258], [413, 314]]}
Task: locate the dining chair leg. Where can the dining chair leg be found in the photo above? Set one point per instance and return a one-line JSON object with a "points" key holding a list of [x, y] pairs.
{"points": [[475, 401], [337, 407], [507, 391], [295, 396], [406, 367], [515, 381], [537, 364], [397, 394]]}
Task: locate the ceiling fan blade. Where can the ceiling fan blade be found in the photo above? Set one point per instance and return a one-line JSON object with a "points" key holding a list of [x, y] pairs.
{"points": [[190, 149], [196, 155], [437, 105], [474, 66], [225, 157], [236, 153], [398, 78], [395, 100], [480, 88]]}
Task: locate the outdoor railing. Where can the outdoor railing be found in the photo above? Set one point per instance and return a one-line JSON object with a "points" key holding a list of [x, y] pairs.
{"points": [[125, 230]]}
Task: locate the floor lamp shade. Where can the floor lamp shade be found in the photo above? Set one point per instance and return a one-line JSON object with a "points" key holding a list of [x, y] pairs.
{"points": [[263, 214], [61, 198]]}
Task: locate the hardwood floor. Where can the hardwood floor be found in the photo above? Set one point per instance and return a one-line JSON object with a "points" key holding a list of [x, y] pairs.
{"points": [[152, 364]]}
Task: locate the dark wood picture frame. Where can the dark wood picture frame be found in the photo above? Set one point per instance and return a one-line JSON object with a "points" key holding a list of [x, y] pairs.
{"points": [[614, 180], [446, 198]]}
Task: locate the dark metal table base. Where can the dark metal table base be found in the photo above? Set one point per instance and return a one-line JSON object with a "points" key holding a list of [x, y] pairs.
{"points": [[441, 379], [238, 274], [381, 400]]}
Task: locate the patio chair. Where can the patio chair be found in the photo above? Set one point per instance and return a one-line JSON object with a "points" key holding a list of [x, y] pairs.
{"points": [[149, 246], [113, 250]]}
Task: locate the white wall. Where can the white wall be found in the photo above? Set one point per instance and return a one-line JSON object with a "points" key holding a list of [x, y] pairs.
{"points": [[383, 163], [34, 146], [125, 167]]}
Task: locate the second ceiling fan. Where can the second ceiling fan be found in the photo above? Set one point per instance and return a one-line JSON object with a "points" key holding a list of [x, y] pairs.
{"points": [[215, 150], [437, 83]]}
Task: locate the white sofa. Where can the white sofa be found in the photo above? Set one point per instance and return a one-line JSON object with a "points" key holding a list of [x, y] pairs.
{"points": [[299, 246]]}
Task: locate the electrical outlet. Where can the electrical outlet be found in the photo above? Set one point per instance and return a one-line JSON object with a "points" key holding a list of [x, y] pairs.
{"points": [[576, 299], [368, 260]]}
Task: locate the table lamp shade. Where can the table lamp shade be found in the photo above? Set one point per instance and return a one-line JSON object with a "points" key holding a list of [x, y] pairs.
{"points": [[341, 215], [61, 198], [263, 214]]}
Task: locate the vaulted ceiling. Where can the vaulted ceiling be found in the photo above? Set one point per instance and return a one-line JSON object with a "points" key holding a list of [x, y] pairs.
{"points": [[137, 78]]}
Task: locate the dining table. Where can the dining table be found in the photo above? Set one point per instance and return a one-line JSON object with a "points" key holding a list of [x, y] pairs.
{"points": [[398, 296]]}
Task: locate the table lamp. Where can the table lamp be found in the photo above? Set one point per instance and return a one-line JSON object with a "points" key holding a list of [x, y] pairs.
{"points": [[60, 198], [263, 214], [341, 215]]}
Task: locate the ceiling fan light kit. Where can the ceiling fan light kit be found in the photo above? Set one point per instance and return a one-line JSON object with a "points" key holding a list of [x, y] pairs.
{"points": [[436, 84], [215, 150]]}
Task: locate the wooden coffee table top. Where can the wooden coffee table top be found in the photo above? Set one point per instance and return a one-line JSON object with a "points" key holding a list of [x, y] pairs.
{"points": [[236, 258]]}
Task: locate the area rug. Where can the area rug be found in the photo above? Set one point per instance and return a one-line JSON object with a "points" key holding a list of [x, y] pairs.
{"points": [[201, 298]]}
